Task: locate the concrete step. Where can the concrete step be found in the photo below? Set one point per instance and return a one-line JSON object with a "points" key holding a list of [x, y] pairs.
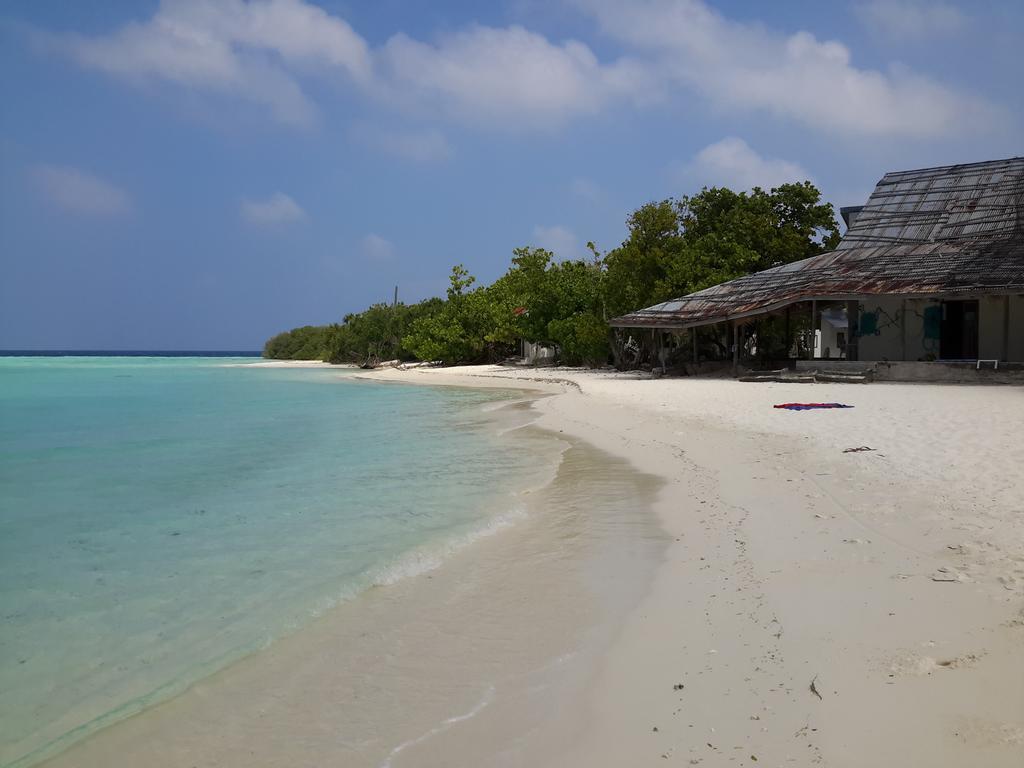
{"points": [[810, 377]]}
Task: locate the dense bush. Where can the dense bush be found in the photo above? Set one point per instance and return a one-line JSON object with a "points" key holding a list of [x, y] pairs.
{"points": [[582, 339], [674, 247], [305, 343]]}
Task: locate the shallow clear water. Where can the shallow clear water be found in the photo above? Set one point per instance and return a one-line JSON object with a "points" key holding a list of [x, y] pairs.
{"points": [[160, 518]]}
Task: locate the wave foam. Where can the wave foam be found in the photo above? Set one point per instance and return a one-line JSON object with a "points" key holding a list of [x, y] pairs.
{"points": [[429, 558], [444, 726]]}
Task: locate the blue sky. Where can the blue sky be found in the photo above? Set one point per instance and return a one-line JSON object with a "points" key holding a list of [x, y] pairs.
{"points": [[193, 174]]}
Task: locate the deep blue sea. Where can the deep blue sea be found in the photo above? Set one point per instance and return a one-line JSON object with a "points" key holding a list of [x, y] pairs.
{"points": [[162, 517]]}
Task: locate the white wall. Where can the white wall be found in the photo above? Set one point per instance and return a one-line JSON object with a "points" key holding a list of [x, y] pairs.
{"points": [[538, 354], [826, 340]]}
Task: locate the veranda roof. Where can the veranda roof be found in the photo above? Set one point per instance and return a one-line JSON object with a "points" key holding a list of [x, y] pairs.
{"points": [[954, 230]]}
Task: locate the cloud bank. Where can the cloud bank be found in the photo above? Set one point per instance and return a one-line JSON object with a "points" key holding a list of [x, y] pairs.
{"points": [[262, 50], [248, 49], [751, 68], [910, 20], [373, 247], [732, 163], [485, 74], [417, 146], [560, 240], [79, 192], [278, 209]]}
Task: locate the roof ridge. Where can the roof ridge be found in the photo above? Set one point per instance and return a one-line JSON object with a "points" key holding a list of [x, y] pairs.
{"points": [[1015, 160]]}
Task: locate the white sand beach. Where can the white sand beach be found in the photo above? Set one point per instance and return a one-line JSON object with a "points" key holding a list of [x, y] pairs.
{"points": [[892, 578], [809, 605]]}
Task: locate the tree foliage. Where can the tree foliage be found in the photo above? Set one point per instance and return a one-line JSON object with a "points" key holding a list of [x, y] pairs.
{"points": [[457, 332], [676, 247], [673, 247], [377, 333], [305, 343]]}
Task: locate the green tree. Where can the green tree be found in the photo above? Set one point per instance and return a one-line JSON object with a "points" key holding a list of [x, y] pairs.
{"points": [[729, 234], [543, 300], [305, 343], [377, 332], [677, 247], [673, 247], [523, 298], [636, 270], [582, 339], [458, 331]]}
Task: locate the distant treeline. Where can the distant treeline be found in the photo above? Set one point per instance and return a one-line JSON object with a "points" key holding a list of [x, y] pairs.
{"points": [[674, 247]]}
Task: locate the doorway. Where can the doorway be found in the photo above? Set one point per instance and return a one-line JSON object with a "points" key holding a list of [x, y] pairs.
{"points": [[959, 331]]}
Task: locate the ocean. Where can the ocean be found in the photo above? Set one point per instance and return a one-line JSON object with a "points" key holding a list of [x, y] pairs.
{"points": [[163, 517]]}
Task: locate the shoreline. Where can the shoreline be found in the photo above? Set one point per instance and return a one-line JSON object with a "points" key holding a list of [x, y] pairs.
{"points": [[360, 649], [890, 579], [264, 363], [492, 510], [814, 607]]}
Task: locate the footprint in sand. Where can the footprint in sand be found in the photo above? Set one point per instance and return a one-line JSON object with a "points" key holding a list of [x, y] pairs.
{"points": [[974, 730], [911, 663]]}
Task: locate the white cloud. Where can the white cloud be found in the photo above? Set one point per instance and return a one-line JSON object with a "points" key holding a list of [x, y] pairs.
{"points": [[514, 78], [732, 163], [80, 192], [373, 247], [257, 50], [586, 190], [232, 46], [511, 75], [745, 67], [910, 19], [560, 240], [417, 146], [278, 209]]}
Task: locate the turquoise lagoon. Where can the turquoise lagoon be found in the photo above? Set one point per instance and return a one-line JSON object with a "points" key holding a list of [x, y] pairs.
{"points": [[163, 517]]}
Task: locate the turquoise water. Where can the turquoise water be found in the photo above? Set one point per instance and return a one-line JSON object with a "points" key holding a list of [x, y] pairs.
{"points": [[160, 518]]}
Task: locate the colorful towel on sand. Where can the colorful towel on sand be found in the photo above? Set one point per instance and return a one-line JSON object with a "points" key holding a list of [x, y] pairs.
{"points": [[810, 406]]}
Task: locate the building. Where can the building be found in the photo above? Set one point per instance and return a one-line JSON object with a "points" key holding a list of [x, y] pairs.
{"points": [[929, 273]]}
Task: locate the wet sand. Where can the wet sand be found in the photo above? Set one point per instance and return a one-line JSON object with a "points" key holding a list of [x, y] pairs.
{"points": [[475, 658]]}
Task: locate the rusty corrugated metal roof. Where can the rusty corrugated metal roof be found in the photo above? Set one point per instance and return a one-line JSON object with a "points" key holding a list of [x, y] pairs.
{"points": [[952, 230]]}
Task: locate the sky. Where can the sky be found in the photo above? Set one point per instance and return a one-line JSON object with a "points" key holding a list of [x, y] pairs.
{"points": [[201, 174]]}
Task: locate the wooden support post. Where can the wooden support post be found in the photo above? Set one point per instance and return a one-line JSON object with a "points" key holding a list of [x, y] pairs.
{"points": [[853, 330], [1006, 328], [735, 347], [814, 328], [903, 331], [789, 338], [696, 355]]}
